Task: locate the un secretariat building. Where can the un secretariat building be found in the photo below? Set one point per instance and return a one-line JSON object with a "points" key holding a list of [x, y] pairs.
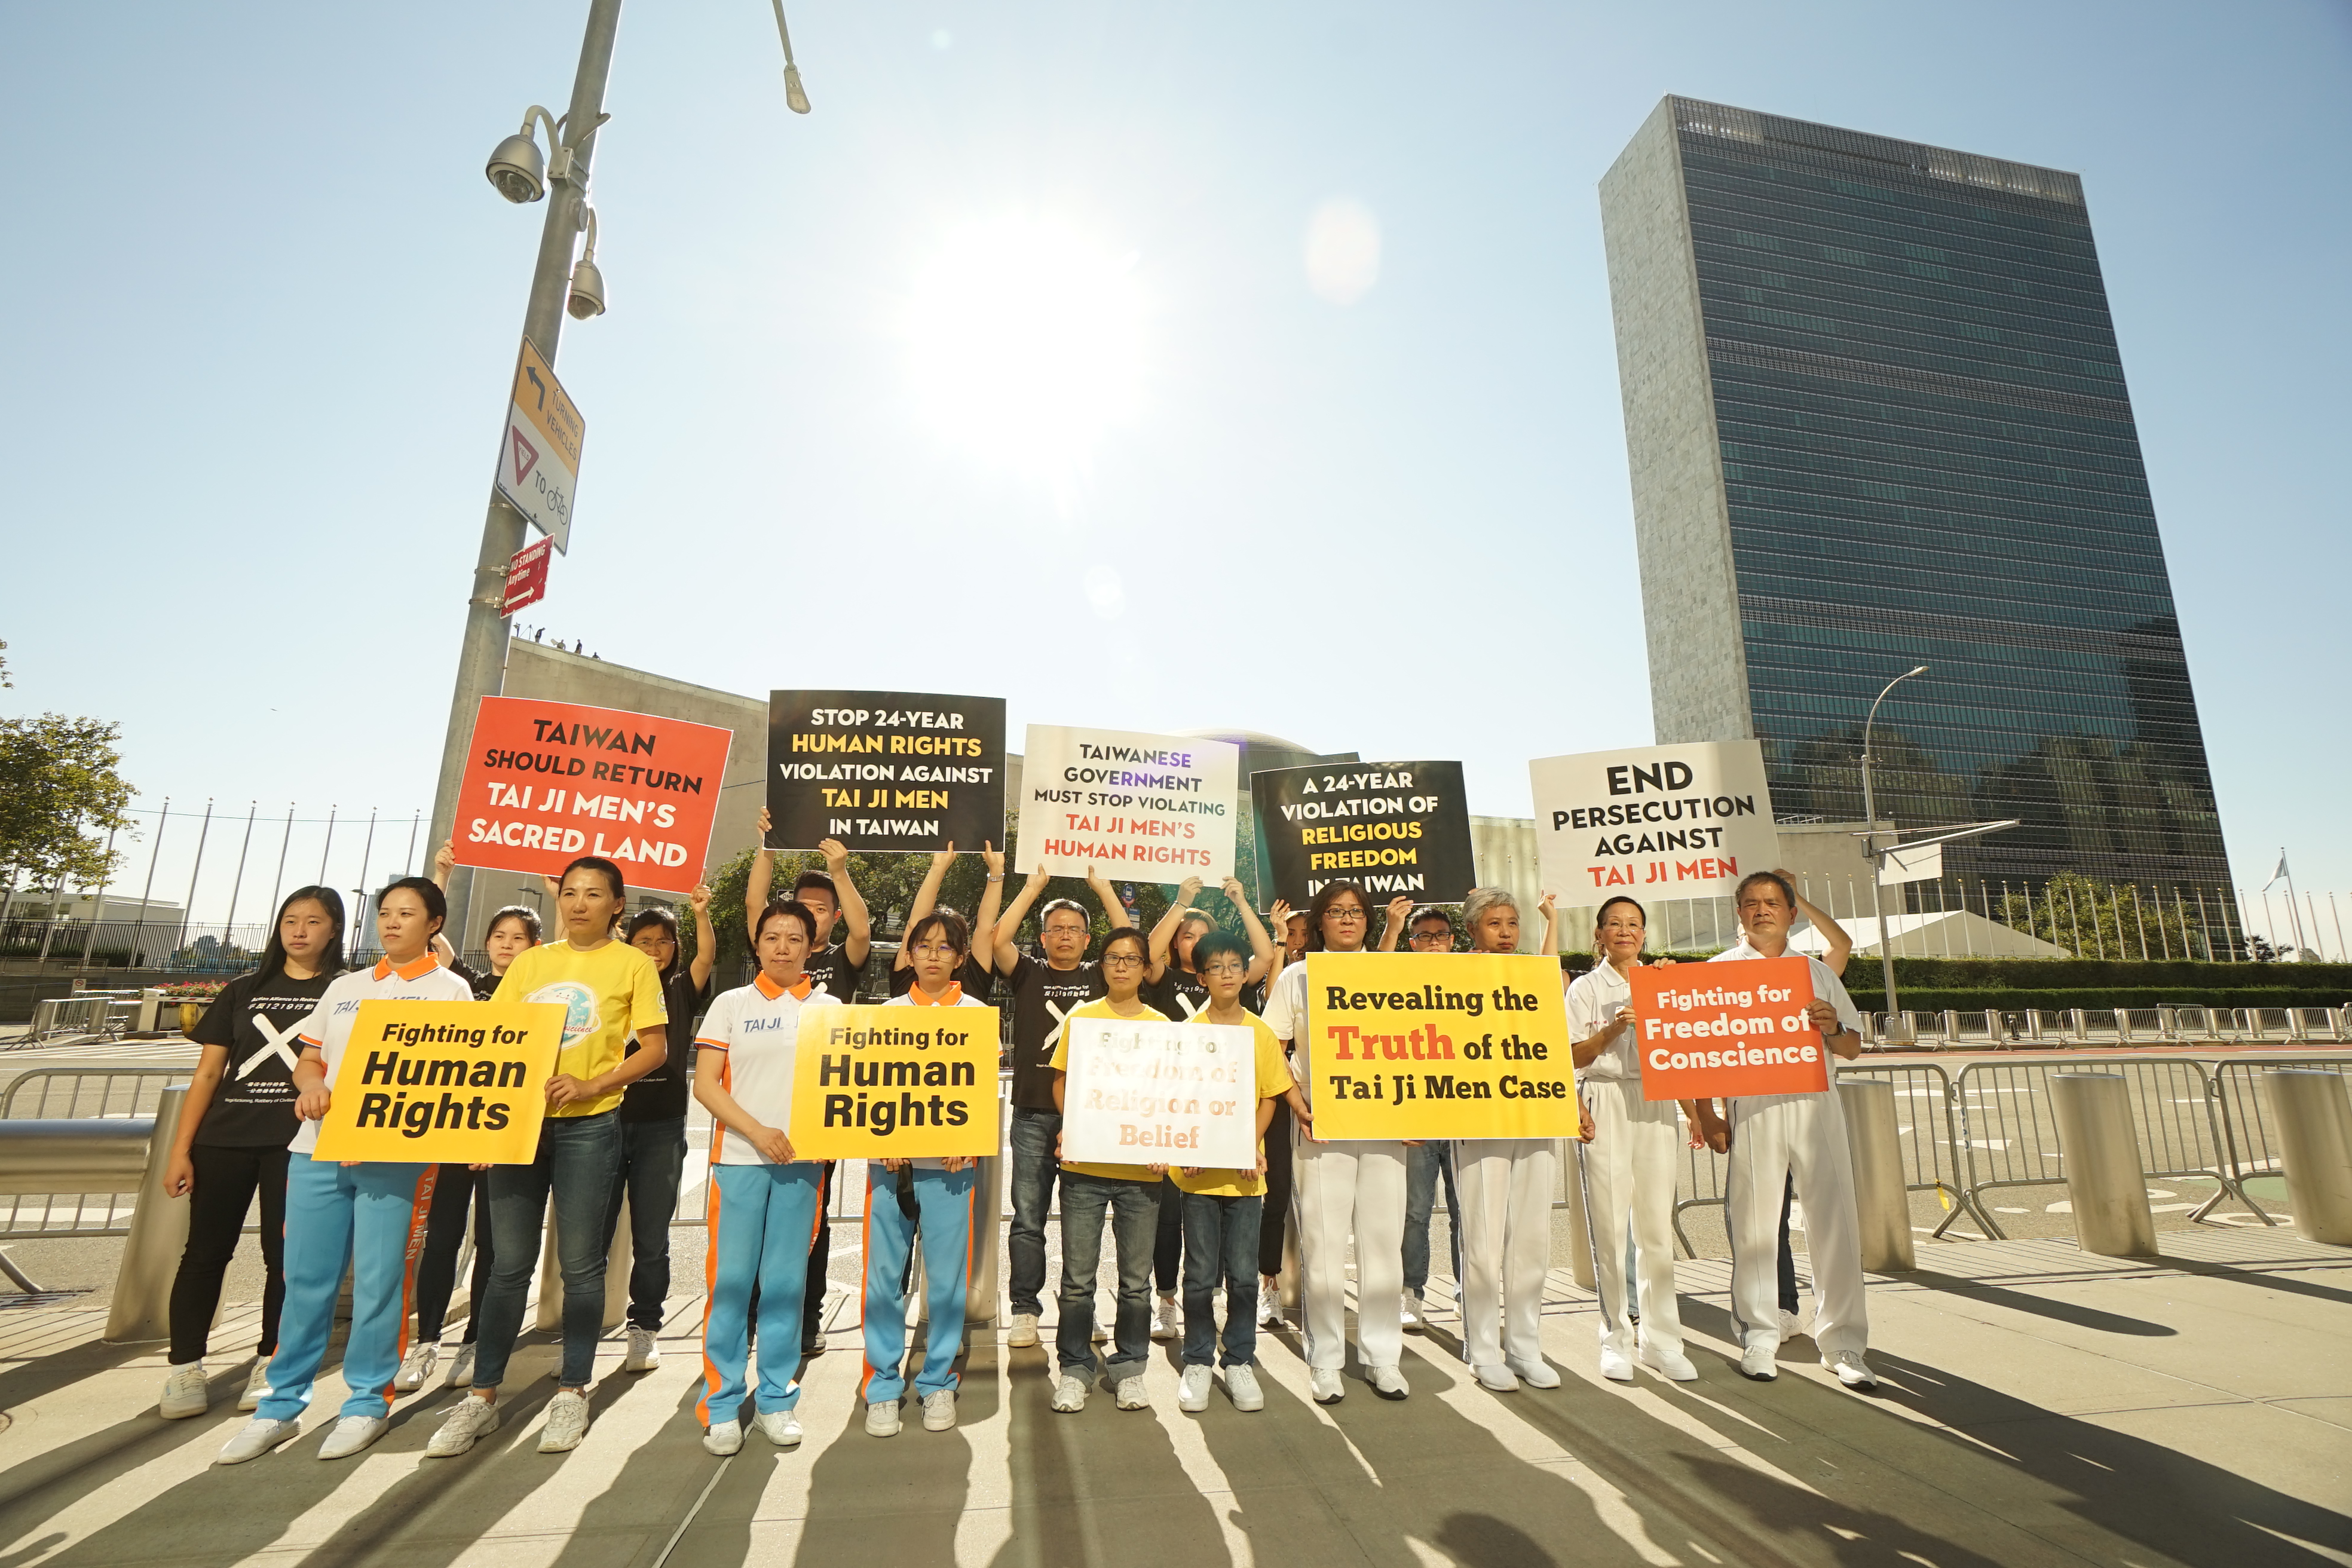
{"points": [[1876, 419]]}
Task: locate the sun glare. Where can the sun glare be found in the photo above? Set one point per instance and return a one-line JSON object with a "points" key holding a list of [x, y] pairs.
{"points": [[1028, 343]]}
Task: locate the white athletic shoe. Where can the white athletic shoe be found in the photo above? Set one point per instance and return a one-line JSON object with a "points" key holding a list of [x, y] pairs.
{"points": [[1103, 1324], [415, 1367], [1269, 1307], [1496, 1379], [1410, 1308], [1851, 1369], [782, 1427], [1615, 1365], [256, 1386], [461, 1368], [1240, 1387], [1672, 1365], [567, 1422], [1328, 1387], [1761, 1362], [1070, 1393], [645, 1354], [724, 1437], [1130, 1393], [1194, 1398], [1792, 1327], [1024, 1336], [461, 1424], [257, 1438], [1387, 1381], [351, 1435], [882, 1418], [184, 1393], [1163, 1317], [1535, 1374], [939, 1410]]}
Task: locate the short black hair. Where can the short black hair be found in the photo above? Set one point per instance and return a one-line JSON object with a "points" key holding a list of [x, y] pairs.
{"points": [[523, 912], [815, 881], [436, 902], [1430, 912], [792, 908], [1215, 944], [1126, 933], [645, 920], [1328, 895], [948, 923], [331, 957], [1788, 893], [1072, 905]]}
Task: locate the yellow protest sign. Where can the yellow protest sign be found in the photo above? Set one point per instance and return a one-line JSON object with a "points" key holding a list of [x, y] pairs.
{"points": [[429, 1081], [1438, 1046], [891, 1083]]}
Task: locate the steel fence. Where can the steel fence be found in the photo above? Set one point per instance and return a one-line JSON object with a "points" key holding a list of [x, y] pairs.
{"points": [[78, 1094], [2248, 1146]]}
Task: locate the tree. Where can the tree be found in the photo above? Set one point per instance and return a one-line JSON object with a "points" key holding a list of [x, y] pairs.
{"points": [[60, 794], [2099, 920]]}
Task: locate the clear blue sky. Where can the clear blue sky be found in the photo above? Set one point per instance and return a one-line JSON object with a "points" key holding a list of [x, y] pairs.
{"points": [[262, 306]]}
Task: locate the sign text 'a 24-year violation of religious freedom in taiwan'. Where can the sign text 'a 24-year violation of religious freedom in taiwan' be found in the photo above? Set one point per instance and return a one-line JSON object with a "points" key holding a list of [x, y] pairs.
{"points": [[1438, 1046], [538, 459], [1159, 807], [1144, 1092], [1389, 827], [1713, 1030], [885, 770], [1674, 822], [547, 783], [429, 1081], [893, 1083]]}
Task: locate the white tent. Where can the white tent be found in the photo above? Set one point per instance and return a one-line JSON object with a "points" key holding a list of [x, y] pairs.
{"points": [[1945, 934]]}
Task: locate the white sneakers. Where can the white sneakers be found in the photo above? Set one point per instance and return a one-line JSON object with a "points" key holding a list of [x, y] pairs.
{"points": [[644, 1355], [461, 1368], [1851, 1369], [1163, 1317], [1410, 1309], [939, 1410], [351, 1435], [1328, 1386], [1024, 1336], [257, 1438], [184, 1393], [1496, 1379], [1387, 1381], [1615, 1365], [464, 1422], [1535, 1374], [1194, 1396], [724, 1437], [256, 1387], [882, 1418], [1269, 1308], [782, 1427], [567, 1421], [1759, 1362], [1791, 1327], [1240, 1387], [1672, 1365], [1070, 1393], [415, 1367], [1130, 1393]]}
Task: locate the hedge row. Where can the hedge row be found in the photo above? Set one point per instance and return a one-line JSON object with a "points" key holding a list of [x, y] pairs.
{"points": [[2043, 975], [2015, 999]]}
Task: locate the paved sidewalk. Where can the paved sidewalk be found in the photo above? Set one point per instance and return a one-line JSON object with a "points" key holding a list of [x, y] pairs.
{"points": [[2040, 1406]]}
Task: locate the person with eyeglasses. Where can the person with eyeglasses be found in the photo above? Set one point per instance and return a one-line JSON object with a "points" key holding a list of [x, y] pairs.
{"points": [[1356, 1188], [1430, 930], [1274, 1221]]}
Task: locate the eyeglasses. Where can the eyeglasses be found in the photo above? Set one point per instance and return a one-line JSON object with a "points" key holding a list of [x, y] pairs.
{"points": [[1228, 966], [1121, 958], [1066, 930], [1343, 914]]}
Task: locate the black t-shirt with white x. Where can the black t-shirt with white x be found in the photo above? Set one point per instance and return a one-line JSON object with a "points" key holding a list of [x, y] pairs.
{"points": [[256, 1022], [1043, 996], [1182, 997]]}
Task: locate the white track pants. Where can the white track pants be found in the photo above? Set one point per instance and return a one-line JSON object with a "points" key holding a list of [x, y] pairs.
{"points": [[1505, 1185], [1629, 1177], [1772, 1138], [1340, 1190]]}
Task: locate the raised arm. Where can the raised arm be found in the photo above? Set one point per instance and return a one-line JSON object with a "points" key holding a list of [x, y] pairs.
{"points": [[1840, 946], [1261, 944], [1399, 909], [927, 898], [706, 938], [1164, 934], [858, 938], [991, 899], [762, 877], [1001, 950], [1113, 911], [1547, 907]]}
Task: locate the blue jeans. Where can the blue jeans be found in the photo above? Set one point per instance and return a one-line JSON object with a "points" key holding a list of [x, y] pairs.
{"points": [[653, 1158], [1034, 1168], [578, 1157], [760, 1219], [371, 1216], [1221, 1238], [943, 1200], [1422, 1165], [1134, 1211]]}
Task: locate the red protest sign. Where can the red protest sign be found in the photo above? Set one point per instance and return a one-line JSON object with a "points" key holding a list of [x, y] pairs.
{"points": [[526, 576], [1713, 1030], [549, 782]]}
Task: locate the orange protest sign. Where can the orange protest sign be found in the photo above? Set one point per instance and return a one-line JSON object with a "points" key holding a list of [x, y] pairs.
{"points": [[1710, 1031], [549, 782]]}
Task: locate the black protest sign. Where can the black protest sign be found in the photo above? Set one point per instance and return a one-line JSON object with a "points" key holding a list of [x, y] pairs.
{"points": [[885, 770], [1393, 828]]}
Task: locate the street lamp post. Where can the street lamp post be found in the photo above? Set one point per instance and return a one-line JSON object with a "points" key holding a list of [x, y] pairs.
{"points": [[1870, 821]]}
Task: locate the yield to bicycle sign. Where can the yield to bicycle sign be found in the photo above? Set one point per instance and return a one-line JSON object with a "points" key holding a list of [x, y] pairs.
{"points": [[539, 461]]}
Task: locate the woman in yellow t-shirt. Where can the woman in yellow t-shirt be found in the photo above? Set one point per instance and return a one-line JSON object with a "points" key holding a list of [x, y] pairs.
{"points": [[608, 989]]}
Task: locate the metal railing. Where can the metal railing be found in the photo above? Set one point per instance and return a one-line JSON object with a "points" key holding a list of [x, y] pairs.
{"points": [[78, 1094], [2248, 1149]]}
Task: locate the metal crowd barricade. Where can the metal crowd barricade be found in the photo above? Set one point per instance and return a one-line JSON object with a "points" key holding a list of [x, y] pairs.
{"points": [[2248, 1144], [83, 1013], [80, 1094]]}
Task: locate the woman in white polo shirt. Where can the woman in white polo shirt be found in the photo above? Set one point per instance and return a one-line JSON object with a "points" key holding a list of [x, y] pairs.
{"points": [[763, 1199], [370, 1215]]}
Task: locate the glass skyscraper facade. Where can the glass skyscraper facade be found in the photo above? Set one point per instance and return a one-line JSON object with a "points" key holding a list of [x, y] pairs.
{"points": [[1923, 452]]}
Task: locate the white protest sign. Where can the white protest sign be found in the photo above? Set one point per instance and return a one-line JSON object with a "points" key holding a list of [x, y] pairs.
{"points": [[1158, 808], [1675, 822], [1142, 1091]]}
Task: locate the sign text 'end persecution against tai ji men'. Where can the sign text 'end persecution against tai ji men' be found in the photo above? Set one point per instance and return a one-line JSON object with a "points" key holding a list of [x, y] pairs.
{"points": [[893, 1083], [1679, 822], [1144, 1092], [1715, 1030], [429, 1081], [1389, 827], [1438, 1046], [1160, 807], [885, 770]]}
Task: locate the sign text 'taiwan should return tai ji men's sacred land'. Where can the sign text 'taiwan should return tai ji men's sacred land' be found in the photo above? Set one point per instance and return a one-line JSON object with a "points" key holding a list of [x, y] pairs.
{"points": [[885, 770]]}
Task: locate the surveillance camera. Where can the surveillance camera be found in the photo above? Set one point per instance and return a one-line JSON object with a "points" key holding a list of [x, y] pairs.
{"points": [[517, 170], [587, 296]]}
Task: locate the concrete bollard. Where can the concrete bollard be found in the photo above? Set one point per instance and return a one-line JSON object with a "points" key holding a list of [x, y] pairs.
{"points": [[2313, 1113], [1882, 1199], [616, 1273], [2100, 1146], [987, 1223], [1570, 1153], [141, 1308]]}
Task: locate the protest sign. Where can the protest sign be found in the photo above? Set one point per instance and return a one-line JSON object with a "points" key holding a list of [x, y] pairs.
{"points": [[1391, 828], [546, 782], [1712, 1030], [1144, 1092], [427, 1081], [885, 770], [893, 1083], [1675, 822], [1438, 1046], [1160, 807]]}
